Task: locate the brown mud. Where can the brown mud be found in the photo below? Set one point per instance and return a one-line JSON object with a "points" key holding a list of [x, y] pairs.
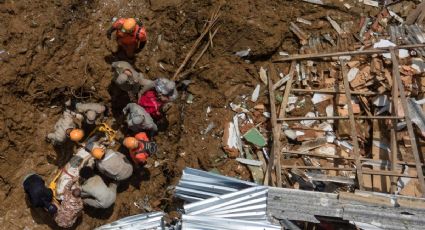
{"points": [[57, 50]]}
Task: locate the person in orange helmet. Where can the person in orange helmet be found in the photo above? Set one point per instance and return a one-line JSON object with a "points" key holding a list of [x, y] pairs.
{"points": [[140, 147], [130, 34]]}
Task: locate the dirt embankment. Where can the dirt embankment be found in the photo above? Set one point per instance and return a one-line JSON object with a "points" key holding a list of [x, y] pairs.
{"points": [[57, 50]]}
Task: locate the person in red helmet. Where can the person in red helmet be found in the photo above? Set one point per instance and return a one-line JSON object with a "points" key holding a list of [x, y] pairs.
{"points": [[140, 147], [130, 33]]}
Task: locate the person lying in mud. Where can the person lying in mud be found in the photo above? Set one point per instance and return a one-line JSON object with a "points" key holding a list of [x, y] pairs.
{"points": [[71, 206], [66, 127], [130, 34], [140, 148], [94, 191], [38, 194], [91, 111], [156, 98], [129, 80], [139, 120], [72, 169]]}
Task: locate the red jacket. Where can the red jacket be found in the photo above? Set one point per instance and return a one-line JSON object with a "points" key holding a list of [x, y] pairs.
{"points": [[138, 35], [150, 102]]}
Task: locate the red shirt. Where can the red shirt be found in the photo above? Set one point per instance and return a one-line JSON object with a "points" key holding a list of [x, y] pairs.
{"points": [[150, 102], [138, 35]]}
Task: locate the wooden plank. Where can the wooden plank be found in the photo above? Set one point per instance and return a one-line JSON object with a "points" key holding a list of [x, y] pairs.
{"points": [[328, 91], [275, 158], [380, 183], [397, 163], [393, 134], [345, 53], [282, 110], [356, 148], [275, 127], [338, 118], [396, 75]]}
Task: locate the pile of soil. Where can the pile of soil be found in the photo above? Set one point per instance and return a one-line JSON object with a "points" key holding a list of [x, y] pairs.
{"points": [[56, 50]]}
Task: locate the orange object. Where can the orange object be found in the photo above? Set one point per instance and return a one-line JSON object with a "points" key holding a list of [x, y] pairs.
{"points": [[139, 154], [128, 25], [76, 135], [98, 153], [129, 35], [131, 143]]}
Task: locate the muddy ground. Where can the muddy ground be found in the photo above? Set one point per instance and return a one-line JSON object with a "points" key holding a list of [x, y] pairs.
{"points": [[56, 50]]}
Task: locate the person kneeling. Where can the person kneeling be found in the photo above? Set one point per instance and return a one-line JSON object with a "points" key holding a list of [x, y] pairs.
{"points": [[95, 192]]}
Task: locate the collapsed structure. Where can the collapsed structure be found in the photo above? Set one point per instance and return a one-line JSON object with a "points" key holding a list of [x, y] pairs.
{"points": [[347, 127]]}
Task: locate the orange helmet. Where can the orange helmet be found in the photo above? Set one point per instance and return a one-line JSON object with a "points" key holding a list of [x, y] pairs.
{"points": [[129, 25], [131, 143], [76, 134], [98, 153], [142, 136]]}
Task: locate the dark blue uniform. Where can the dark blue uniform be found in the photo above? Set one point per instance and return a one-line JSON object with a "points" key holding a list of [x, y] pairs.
{"points": [[39, 195]]}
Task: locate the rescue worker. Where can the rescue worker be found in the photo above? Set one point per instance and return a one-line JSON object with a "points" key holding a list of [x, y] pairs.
{"points": [[71, 206], [71, 170], [65, 127], [131, 35], [111, 163], [140, 148], [39, 195], [95, 192], [138, 119], [152, 100], [129, 80], [91, 111]]}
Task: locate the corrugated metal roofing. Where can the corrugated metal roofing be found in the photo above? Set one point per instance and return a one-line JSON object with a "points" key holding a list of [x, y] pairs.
{"points": [[247, 204], [196, 185], [145, 221], [214, 223]]}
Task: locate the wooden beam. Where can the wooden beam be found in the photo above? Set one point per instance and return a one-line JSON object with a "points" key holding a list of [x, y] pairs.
{"points": [[393, 134], [356, 148], [275, 158], [346, 53], [396, 75], [397, 163], [365, 171], [282, 113], [339, 118], [329, 91]]}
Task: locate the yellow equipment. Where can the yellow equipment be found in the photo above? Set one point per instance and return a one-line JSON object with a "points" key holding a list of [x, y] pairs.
{"points": [[52, 184], [105, 128]]}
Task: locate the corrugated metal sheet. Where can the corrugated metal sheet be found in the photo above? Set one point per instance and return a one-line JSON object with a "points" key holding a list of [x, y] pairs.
{"points": [[196, 185], [214, 223], [145, 221], [247, 204]]}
